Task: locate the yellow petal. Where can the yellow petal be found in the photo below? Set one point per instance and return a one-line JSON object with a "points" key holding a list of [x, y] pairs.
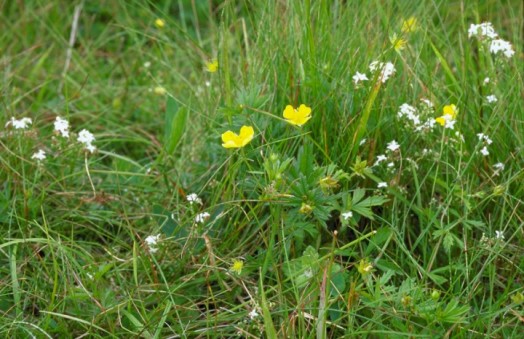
{"points": [[441, 121], [450, 110], [246, 135], [229, 136], [233, 140], [303, 110], [212, 66], [297, 117], [289, 112]]}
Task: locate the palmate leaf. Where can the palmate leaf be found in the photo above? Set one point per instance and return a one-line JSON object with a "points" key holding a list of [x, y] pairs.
{"points": [[453, 313], [363, 206]]}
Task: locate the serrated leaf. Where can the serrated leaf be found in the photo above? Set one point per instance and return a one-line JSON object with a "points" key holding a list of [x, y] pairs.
{"points": [[448, 242], [453, 313], [358, 194], [364, 211], [373, 201]]}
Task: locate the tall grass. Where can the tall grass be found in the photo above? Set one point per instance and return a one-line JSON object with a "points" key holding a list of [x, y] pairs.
{"points": [[302, 232]]}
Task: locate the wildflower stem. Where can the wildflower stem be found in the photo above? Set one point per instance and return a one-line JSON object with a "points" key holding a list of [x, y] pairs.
{"points": [[362, 126]]}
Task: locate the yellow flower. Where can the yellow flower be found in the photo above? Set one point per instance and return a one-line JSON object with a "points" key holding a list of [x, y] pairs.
{"points": [[449, 113], [159, 90], [237, 266], [409, 25], [297, 116], [441, 120], [159, 23], [397, 42], [212, 66], [305, 208], [451, 110], [364, 267], [233, 140]]}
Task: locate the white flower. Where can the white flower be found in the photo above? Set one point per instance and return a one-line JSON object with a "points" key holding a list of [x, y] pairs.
{"points": [[362, 142], [386, 70], [491, 98], [380, 158], [484, 137], [151, 242], [503, 46], [382, 184], [484, 151], [347, 215], [62, 127], [192, 198], [208, 83], [410, 112], [19, 124], [358, 77], [427, 102], [391, 164], [450, 123], [90, 148], [482, 30], [147, 64], [200, 218], [393, 146], [459, 136], [486, 81], [253, 314], [85, 137], [499, 166], [40, 155], [499, 235]]}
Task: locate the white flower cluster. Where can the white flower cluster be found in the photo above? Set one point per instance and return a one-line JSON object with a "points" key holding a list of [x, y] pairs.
{"points": [[19, 124], [499, 167], [499, 45], [347, 215], [481, 31], [193, 198], [202, 217], [419, 122], [85, 137], [359, 77], [491, 98], [39, 156], [386, 70], [151, 242], [486, 142], [392, 147], [62, 127], [485, 31]]}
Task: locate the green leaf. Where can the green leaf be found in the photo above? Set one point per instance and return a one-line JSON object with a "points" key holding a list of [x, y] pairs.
{"points": [[176, 119], [139, 327], [453, 313]]}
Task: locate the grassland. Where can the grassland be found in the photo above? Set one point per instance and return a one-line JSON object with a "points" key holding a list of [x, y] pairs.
{"points": [[373, 218]]}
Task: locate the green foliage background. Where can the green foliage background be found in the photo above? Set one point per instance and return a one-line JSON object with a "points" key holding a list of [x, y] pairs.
{"points": [[419, 258]]}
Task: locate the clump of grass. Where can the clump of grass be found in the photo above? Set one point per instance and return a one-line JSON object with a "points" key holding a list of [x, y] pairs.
{"points": [[293, 168]]}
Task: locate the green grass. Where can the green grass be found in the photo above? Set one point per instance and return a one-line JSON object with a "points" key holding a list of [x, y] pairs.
{"points": [[419, 258]]}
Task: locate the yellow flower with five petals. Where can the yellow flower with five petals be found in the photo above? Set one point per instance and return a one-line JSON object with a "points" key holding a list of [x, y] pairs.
{"points": [[232, 140], [449, 113], [298, 116], [212, 66]]}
